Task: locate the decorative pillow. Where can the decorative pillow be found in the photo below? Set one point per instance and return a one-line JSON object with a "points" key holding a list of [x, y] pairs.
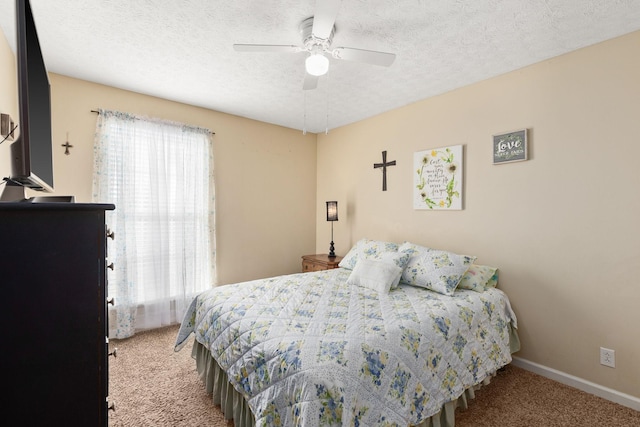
{"points": [[374, 274], [437, 270], [493, 282], [366, 248], [477, 277]]}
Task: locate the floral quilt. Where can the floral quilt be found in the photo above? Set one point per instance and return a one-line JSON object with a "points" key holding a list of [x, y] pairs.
{"points": [[310, 350]]}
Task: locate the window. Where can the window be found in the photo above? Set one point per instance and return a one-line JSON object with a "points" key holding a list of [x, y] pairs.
{"points": [[157, 173]]}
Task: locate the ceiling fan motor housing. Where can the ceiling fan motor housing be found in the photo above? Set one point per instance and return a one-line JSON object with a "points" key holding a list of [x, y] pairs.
{"points": [[317, 34], [310, 41]]}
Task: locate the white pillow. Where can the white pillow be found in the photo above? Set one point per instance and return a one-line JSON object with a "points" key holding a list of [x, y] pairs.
{"points": [[374, 274], [437, 270]]}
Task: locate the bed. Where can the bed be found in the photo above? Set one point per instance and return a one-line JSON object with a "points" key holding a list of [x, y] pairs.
{"points": [[365, 344]]}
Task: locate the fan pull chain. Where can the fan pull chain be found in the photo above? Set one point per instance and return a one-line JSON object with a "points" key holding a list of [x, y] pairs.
{"points": [[326, 127], [304, 114]]}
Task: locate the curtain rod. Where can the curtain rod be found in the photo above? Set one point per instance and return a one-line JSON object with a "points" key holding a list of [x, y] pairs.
{"points": [[98, 112]]}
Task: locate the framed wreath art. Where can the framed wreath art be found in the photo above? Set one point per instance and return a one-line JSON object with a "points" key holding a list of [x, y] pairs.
{"points": [[438, 178]]}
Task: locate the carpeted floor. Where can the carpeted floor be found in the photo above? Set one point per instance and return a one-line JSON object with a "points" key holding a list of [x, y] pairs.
{"points": [[151, 385]]}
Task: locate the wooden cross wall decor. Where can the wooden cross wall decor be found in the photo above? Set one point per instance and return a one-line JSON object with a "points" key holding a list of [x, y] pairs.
{"points": [[384, 165]]}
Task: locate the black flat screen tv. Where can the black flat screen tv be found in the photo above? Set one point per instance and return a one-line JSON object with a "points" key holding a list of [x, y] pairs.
{"points": [[32, 151]]}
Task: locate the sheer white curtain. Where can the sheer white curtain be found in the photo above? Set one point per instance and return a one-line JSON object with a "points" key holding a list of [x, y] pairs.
{"points": [[159, 176]]}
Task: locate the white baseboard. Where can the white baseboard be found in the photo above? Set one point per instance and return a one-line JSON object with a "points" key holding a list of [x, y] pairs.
{"points": [[579, 383]]}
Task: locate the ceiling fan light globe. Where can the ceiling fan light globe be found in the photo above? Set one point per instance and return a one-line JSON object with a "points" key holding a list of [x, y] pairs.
{"points": [[317, 64]]}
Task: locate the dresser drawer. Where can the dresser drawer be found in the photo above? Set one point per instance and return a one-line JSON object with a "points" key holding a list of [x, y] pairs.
{"points": [[310, 266], [318, 262]]}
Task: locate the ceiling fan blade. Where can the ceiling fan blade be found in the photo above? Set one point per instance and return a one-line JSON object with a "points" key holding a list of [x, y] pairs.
{"points": [[267, 48], [325, 17], [310, 82], [361, 55]]}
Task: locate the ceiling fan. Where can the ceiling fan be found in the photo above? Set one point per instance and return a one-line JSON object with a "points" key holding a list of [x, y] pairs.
{"points": [[317, 34]]}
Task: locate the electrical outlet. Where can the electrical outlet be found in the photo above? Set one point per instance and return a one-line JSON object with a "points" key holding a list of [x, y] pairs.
{"points": [[607, 357]]}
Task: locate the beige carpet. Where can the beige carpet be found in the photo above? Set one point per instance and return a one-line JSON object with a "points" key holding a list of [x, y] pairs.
{"points": [[151, 385]]}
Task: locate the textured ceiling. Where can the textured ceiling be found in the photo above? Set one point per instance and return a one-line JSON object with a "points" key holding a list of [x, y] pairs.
{"points": [[182, 50]]}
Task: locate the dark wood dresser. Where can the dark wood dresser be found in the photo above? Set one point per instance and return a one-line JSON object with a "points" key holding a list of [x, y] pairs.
{"points": [[54, 320]]}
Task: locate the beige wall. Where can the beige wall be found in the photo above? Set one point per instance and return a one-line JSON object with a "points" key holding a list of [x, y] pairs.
{"points": [[8, 96], [265, 175], [563, 227]]}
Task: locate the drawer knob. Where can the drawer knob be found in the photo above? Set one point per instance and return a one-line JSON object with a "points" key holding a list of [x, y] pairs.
{"points": [[114, 353], [110, 266], [111, 301], [111, 234]]}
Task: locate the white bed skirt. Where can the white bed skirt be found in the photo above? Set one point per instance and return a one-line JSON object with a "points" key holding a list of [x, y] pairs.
{"points": [[235, 407]]}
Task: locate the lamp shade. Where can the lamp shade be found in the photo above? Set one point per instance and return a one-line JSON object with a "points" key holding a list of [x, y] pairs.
{"points": [[317, 64], [332, 211]]}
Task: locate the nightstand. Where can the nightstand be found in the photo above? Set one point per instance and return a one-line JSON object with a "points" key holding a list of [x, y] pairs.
{"points": [[319, 262]]}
